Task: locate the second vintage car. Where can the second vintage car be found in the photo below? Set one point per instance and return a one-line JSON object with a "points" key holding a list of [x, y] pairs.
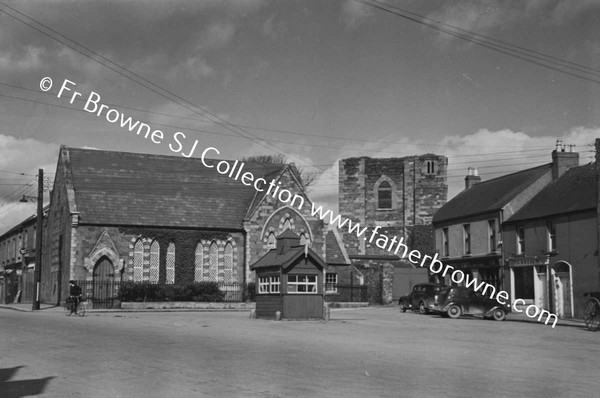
{"points": [[456, 301], [421, 297]]}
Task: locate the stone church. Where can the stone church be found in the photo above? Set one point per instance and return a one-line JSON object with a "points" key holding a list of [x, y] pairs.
{"points": [[398, 195], [168, 219]]}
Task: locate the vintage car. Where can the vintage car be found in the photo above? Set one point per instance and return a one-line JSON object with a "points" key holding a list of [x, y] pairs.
{"points": [[420, 298], [456, 301]]}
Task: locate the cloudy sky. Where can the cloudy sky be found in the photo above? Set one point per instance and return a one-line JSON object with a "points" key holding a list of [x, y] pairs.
{"points": [[316, 80]]}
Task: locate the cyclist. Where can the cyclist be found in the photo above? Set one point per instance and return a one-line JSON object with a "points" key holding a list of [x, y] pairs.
{"points": [[74, 294]]}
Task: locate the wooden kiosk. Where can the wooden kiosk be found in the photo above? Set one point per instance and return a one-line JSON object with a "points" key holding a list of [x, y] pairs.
{"points": [[289, 280]]}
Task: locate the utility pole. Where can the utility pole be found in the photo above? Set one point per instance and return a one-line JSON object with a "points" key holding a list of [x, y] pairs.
{"points": [[37, 276]]}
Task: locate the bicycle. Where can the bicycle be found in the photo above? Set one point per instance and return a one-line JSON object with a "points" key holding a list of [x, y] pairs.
{"points": [[74, 305]]}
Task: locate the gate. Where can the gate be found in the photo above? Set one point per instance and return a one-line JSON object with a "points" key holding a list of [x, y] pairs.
{"points": [[406, 278], [104, 292]]}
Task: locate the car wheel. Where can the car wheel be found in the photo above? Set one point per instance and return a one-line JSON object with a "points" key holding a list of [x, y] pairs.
{"points": [[422, 308], [454, 311], [499, 315]]}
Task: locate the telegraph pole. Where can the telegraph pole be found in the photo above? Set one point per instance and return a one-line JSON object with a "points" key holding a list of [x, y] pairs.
{"points": [[37, 276]]}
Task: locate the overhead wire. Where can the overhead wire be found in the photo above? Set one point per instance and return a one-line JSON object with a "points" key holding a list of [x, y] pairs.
{"points": [[140, 80], [360, 150], [518, 52]]}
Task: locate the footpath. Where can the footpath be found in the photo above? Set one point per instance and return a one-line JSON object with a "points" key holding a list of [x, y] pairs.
{"points": [[187, 307], [136, 307]]}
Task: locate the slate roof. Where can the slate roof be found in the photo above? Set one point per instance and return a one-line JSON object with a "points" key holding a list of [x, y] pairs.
{"points": [[489, 195], [334, 249], [120, 188], [285, 259], [573, 191]]}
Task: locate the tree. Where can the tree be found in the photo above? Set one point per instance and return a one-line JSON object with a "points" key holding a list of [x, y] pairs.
{"points": [[307, 178]]}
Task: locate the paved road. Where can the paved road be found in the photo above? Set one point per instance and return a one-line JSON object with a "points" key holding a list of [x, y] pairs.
{"points": [[371, 352]]}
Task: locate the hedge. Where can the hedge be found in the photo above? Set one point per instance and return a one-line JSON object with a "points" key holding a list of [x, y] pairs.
{"points": [[143, 292]]}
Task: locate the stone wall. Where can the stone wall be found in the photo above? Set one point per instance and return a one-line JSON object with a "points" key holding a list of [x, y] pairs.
{"points": [[419, 188]]}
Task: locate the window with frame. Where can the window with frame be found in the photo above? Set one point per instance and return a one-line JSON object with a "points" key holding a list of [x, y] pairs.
{"points": [[138, 261], [304, 284], [271, 241], [304, 239], [213, 262], [467, 236], [154, 263], [492, 235], [170, 277], [520, 239], [228, 263], [331, 280], [268, 284], [445, 245], [199, 263], [551, 236], [384, 195], [430, 167]]}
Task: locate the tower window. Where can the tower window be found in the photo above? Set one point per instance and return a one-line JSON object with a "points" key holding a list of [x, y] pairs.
{"points": [[384, 195], [430, 167]]}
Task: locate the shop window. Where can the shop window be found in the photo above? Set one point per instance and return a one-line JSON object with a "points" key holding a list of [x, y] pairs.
{"points": [[523, 277], [490, 276]]}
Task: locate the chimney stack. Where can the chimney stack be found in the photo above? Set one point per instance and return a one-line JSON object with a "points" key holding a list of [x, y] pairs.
{"points": [[563, 160], [472, 177]]}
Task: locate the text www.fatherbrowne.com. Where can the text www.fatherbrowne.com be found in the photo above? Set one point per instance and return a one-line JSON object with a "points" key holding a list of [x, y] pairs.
{"points": [[393, 245]]}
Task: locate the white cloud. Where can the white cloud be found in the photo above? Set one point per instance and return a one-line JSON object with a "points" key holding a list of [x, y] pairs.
{"points": [[26, 60], [22, 156], [486, 16], [494, 153], [193, 67], [355, 13], [217, 35]]}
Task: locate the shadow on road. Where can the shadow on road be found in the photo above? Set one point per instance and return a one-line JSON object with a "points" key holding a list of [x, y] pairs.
{"points": [[20, 388]]}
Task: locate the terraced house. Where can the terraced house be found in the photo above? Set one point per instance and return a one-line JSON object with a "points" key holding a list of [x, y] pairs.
{"points": [[167, 219], [533, 233]]}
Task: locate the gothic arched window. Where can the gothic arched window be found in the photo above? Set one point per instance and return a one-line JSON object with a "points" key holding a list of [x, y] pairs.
{"points": [[228, 263], [171, 263], [384, 195], [138, 261], [213, 262], [199, 263], [154, 261]]}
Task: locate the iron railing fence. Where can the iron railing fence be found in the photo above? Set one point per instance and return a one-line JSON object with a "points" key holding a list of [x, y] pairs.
{"points": [[107, 293], [346, 293]]}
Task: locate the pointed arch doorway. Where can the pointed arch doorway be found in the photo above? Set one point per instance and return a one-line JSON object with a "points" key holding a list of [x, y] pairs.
{"points": [[104, 283]]}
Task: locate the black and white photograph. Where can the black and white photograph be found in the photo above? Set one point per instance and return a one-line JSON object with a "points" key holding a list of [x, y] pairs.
{"points": [[299, 198]]}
